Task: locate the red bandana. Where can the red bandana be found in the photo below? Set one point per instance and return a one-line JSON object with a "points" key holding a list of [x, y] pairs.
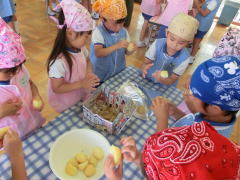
{"points": [[191, 152]]}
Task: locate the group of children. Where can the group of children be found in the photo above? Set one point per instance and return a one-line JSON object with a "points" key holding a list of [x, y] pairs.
{"points": [[203, 10], [73, 76]]}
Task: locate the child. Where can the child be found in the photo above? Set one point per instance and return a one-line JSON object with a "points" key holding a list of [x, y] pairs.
{"points": [[173, 8], [149, 9], [110, 40], [170, 54], [16, 87], [69, 79], [191, 152], [13, 147], [229, 45], [215, 95], [205, 16]]}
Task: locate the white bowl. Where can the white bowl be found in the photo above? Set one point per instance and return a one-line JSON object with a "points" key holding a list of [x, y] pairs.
{"points": [[72, 142]]}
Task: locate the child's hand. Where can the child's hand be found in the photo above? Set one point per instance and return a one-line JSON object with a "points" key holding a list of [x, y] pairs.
{"points": [[160, 107], [90, 82], [145, 69], [132, 47], [12, 144], [156, 75], [10, 108], [122, 44], [129, 149], [37, 103], [111, 172]]}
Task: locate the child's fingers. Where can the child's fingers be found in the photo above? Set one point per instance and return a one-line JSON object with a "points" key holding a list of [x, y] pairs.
{"points": [[159, 100], [149, 65], [156, 101], [125, 140], [129, 149], [109, 162], [11, 133]]}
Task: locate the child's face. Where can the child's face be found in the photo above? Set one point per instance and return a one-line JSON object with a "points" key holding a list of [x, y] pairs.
{"points": [[198, 105], [7, 74], [77, 41], [113, 25], [175, 43], [210, 110]]}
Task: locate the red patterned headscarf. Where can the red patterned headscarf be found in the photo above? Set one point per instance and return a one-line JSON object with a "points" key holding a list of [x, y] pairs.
{"points": [[191, 152]]}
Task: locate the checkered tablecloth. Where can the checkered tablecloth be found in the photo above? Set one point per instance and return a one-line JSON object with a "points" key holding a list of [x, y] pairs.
{"points": [[37, 146]]}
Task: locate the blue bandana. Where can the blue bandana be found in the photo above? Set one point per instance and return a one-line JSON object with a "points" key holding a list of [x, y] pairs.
{"points": [[217, 82]]}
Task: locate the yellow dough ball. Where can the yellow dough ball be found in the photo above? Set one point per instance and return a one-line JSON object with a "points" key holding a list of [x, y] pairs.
{"points": [[90, 170], [82, 166], [73, 162], [130, 47], [81, 157], [92, 160], [3, 131], [37, 104], [71, 170], [117, 155], [98, 153], [164, 74]]}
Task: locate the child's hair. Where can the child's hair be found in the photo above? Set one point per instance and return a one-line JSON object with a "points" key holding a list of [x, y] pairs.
{"points": [[226, 113], [12, 70], [119, 21], [60, 45]]}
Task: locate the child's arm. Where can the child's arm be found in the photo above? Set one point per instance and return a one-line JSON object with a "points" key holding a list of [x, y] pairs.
{"points": [[36, 96], [188, 100], [167, 81], [10, 108], [112, 172], [160, 107], [60, 86], [13, 147], [100, 51], [146, 66], [203, 12], [89, 66]]}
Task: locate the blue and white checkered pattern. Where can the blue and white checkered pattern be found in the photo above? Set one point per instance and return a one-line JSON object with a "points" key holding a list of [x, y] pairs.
{"points": [[37, 146]]}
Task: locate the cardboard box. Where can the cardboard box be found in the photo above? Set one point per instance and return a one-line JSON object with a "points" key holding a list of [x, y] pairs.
{"points": [[124, 105]]}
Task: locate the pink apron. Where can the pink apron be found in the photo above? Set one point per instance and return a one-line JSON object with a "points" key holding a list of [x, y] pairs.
{"points": [[150, 7], [29, 119], [172, 9], [62, 101]]}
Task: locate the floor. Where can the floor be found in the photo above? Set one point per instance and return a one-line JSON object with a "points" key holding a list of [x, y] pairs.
{"points": [[38, 33]]}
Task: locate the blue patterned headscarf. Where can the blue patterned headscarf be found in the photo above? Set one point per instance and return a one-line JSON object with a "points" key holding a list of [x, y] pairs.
{"points": [[217, 82]]}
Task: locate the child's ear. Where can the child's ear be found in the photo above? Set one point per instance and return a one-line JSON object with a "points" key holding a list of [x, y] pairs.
{"points": [[216, 109], [166, 32], [70, 34]]}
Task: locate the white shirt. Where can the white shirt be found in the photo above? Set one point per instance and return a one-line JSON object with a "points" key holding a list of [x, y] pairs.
{"points": [[57, 69], [212, 5]]}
